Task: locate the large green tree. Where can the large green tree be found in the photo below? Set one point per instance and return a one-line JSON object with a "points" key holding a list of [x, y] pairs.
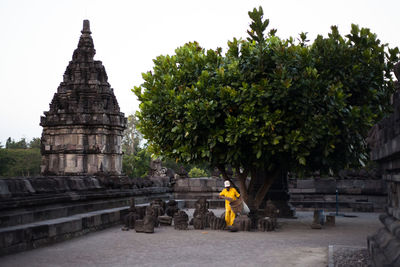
{"points": [[268, 104]]}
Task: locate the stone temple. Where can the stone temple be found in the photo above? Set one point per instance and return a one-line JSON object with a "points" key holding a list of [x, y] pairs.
{"points": [[82, 131]]}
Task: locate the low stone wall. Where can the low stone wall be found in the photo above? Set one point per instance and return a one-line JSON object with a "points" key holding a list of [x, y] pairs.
{"points": [[195, 188], [353, 194], [43, 210]]}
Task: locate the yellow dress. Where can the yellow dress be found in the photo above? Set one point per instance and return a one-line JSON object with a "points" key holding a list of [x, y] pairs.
{"points": [[229, 214]]}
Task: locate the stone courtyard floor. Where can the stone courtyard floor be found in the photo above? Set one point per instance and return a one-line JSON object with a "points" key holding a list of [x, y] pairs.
{"points": [[293, 244]]}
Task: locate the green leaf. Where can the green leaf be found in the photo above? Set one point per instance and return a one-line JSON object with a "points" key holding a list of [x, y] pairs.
{"points": [[275, 141]]}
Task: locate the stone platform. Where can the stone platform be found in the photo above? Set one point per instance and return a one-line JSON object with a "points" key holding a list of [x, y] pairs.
{"points": [[43, 210]]}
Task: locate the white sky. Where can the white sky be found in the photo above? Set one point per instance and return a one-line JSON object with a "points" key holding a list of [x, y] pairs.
{"points": [[38, 39]]}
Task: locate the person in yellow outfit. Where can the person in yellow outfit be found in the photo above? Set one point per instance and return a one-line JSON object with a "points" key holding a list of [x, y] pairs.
{"points": [[229, 194]]}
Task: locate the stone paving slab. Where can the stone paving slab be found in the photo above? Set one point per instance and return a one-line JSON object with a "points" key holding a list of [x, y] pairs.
{"points": [[294, 244]]}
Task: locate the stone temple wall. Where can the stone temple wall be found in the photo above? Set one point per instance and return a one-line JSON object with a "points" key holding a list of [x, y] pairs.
{"points": [[358, 194], [384, 140], [82, 131]]}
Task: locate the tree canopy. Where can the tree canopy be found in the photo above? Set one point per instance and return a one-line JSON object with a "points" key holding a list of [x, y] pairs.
{"points": [[268, 102]]}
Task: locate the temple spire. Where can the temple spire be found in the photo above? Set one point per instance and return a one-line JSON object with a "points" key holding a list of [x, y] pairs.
{"points": [[86, 27], [85, 51]]}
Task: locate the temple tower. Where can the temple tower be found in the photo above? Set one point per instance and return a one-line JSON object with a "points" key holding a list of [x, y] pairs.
{"points": [[82, 131]]}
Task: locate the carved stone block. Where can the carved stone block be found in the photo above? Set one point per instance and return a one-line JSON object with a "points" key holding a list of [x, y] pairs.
{"points": [[266, 224], [181, 220], [165, 220]]}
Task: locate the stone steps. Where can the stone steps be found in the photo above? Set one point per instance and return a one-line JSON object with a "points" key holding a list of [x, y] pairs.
{"points": [[48, 212], [33, 221], [72, 196], [51, 206], [32, 235]]}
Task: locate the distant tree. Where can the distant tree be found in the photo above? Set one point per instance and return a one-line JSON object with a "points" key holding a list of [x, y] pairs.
{"points": [[132, 137], [268, 105], [136, 159], [19, 162], [137, 164], [11, 144], [34, 143]]}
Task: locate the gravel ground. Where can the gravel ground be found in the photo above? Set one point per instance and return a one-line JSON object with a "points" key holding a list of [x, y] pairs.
{"points": [[293, 244], [350, 256]]}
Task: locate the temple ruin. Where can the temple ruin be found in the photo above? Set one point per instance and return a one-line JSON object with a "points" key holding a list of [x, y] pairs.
{"points": [[82, 131], [384, 137]]}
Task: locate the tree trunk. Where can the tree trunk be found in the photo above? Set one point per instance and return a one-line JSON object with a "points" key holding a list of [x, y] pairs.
{"points": [[261, 181], [253, 194]]}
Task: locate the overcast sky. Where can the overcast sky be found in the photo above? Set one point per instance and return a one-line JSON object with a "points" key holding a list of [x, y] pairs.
{"points": [[38, 39]]}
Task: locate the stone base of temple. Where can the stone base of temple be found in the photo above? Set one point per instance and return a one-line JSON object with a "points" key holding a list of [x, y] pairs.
{"points": [[42, 210]]}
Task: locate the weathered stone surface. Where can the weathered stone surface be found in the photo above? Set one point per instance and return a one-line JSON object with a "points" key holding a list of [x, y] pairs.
{"points": [[4, 192], [241, 223], [149, 224], [359, 195], [131, 217], [217, 223], [305, 184], [23, 237], [83, 129], [317, 220], [200, 214], [165, 220], [139, 226], [384, 141], [181, 220], [266, 224], [171, 208], [195, 188]]}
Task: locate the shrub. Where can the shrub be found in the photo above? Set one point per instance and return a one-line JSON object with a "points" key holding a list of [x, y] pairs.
{"points": [[196, 172]]}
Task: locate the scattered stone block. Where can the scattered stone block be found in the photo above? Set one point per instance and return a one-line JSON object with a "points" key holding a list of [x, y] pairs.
{"points": [[241, 223], [217, 223], [330, 220], [139, 226], [171, 208], [317, 221], [266, 224], [148, 224], [181, 220], [165, 220]]}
